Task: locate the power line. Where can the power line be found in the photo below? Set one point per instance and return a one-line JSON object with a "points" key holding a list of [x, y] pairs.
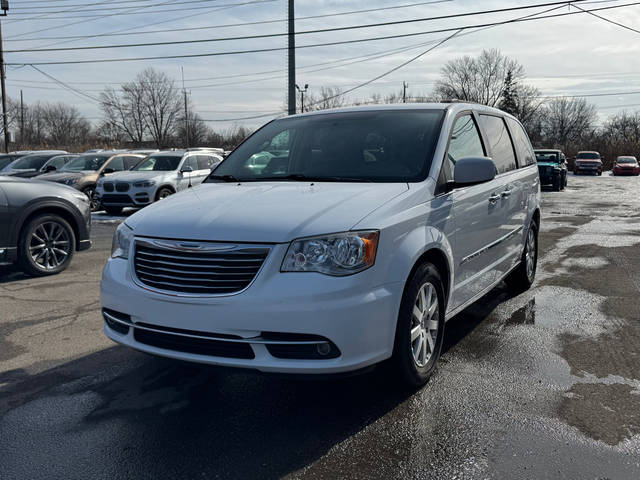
{"points": [[37, 9], [273, 49], [608, 20], [303, 32], [228, 25]]}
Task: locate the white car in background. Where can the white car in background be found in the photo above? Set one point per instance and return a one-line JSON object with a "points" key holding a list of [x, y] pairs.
{"points": [[365, 230], [156, 177]]}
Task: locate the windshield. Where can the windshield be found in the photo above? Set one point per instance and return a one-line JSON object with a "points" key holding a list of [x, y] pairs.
{"points": [[85, 162], [547, 157], [372, 146], [31, 162], [626, 160], [588, 156], [4, 161], [159, 163]]}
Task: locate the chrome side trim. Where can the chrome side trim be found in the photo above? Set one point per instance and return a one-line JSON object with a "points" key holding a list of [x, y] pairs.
{"points": [[254, 340], [491, 245], [186, 246]]}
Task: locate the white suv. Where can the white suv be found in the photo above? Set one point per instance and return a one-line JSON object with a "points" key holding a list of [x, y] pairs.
{"points": [[158, 176], [365, 231]]}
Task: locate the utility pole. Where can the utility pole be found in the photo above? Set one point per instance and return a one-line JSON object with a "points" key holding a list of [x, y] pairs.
{"points": [[21, 118], [302, 92], [186, 111], [4, 5], [404, 91], [292, 61]]}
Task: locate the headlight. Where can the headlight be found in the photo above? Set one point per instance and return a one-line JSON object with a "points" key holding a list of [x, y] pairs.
{"points": [[337, 254], [145, 184], [70, 181], [121, 241]]}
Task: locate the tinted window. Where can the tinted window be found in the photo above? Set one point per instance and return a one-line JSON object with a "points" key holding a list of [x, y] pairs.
{"points": [[116, 164], [522, 143], [205, 162], [589, 155], [465, 142], [192, 162], [547, 157], [57, 162], [377, 146], [499, 142], [160, 163], [626, 160], [89, 162], [130, 162], [31, 161]]}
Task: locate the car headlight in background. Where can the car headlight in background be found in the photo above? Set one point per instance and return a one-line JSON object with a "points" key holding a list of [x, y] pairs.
{"points": [[121, 241], [71, 181], [145, 184], [336, 254]]}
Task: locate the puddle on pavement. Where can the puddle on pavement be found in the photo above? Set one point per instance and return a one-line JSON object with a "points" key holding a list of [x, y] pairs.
{"points": [[525, 315], [609, 413]]}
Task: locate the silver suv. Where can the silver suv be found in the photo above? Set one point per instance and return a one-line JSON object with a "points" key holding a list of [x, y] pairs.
{"points": [[158, 176]]}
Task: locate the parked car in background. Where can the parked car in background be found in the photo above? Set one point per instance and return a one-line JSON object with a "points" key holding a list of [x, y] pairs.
{"points": [[83, 172], [53, 163], [30, 163], [588, 162], [158, 176], [42, 224], [626, 165], [7, 158], [552, 168], [331, 258]]}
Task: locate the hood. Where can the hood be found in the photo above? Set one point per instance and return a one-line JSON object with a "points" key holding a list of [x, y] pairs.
{"points": [[588, 160], [61, 176], [23, 173], [626, 165], [548, 164], [130, 176], [275, 212]]}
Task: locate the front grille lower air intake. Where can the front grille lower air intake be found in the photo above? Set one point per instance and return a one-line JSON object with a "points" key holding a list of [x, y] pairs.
{"points": [[195, 268]]}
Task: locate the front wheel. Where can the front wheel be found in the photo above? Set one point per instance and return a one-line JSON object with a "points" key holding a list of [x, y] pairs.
{"points": [[90, 192], [113, 210], [420, 329], [46, 245], [163, 193], [557, 184], [522, 277]]}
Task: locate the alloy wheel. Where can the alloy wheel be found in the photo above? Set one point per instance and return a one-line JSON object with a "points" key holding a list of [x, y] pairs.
{"points": [[530, 253], [424, 324], [49, 245]]}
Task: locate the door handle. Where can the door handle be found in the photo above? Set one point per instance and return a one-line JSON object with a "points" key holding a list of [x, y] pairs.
{"points": [[494, 198], [506, 193]]}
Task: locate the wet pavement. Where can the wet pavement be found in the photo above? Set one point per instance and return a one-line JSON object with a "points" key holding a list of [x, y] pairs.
{"points": [[542, 385]]}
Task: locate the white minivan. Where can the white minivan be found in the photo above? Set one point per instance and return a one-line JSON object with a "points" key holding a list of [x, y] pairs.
{"points": [[364, 232]]}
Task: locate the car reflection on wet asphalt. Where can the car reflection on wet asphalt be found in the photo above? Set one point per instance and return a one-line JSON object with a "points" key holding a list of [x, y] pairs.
{"points": [[542, 385]]}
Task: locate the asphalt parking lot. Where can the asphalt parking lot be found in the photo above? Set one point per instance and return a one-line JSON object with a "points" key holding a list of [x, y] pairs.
{"points": [[542, 385]]}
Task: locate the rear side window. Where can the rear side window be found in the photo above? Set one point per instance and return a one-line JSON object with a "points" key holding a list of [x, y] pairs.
{"points": [[522, 143], [192, 162], [58, 162], [204, 162], [499, 142], [465, 142]]}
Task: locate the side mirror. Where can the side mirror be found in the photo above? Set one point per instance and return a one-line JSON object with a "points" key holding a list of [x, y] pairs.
{"points": [[473, 170], [186, 169], [107, 170], [49, 168]]}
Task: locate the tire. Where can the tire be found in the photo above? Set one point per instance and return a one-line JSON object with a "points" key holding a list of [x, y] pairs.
{"points": [[113, 210], [557, 184], [599, 174], [93, 199], [58, 245], [523, 276], [415, 369], [164, 192]]}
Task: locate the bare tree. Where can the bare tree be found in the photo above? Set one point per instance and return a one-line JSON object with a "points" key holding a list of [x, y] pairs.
{"points": [[162, 104], [567, 120], [328, 97], [479, 79], [64, 124], [124, 110], [192, 131]]}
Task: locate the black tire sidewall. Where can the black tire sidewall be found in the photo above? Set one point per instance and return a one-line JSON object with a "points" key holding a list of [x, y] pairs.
{"points": [[25, 260], [163, 189], [113, 210], [410, 373]]}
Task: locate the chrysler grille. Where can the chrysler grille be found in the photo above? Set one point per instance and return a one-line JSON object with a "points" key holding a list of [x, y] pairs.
{"points": [[197, 272]]}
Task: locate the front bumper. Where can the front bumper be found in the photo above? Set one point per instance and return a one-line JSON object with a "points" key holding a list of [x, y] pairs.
{"points": [[350, 313], [548, 177], [588, 168], [133, 197], [626, 171]]}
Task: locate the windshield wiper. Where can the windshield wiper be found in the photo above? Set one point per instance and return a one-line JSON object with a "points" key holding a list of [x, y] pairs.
{"points": [[300, 177], [224, 178]]}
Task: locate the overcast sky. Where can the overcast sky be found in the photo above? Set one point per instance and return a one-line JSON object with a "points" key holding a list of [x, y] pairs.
{"points": [[570, 55]]}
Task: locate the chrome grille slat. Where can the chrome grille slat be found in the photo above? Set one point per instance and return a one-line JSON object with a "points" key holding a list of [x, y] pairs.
{"points": [[189, 271]]}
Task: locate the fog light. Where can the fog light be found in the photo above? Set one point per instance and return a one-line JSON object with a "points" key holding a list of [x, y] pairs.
{"points": [[323, 349]]}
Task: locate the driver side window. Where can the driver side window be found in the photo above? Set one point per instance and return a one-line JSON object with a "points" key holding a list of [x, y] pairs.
{"points": [[465, 142]]}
